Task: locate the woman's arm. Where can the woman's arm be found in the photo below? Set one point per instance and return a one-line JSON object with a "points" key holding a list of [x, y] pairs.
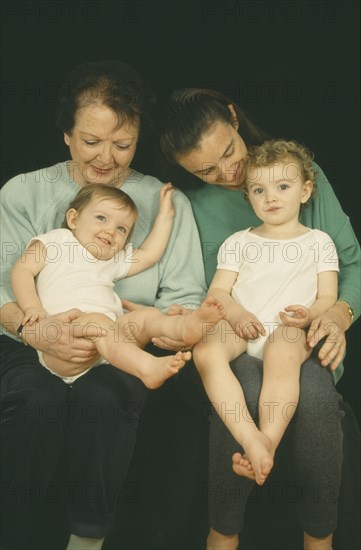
{"points": [[325, 213], [181, 268]]}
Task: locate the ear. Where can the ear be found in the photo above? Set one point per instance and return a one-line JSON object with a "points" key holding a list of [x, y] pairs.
{"points": [[71, 217], [306, 191], [235, 123], [67, 139]]}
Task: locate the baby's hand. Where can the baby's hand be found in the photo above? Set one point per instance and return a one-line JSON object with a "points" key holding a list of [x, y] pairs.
{"points": [[32, 315], [165, 201], [299, 317]]}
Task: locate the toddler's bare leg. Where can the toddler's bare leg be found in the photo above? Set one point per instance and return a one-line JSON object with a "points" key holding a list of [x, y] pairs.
{"points": [[285, 351], [212, 358]]}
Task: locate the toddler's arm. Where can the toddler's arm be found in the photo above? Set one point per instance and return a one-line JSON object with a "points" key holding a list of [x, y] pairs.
{"points": [[155, 244], [23, 276], [326, 298], [243, 322]]}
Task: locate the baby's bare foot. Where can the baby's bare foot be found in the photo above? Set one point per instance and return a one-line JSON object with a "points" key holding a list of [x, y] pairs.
{"points": [[198, 322], [159, 369]]}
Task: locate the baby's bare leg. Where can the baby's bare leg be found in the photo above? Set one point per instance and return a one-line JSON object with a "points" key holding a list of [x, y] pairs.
{"points": [[285, 351], [212, 358], [189, 328], [121, 347]]}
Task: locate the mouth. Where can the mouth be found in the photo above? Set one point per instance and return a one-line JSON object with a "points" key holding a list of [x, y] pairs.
{"points": [[102, 171], [105, 241], [274, 209]]}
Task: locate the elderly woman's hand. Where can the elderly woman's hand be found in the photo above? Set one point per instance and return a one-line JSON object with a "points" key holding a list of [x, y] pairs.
{"points": [[62, 336], [332, 324]]}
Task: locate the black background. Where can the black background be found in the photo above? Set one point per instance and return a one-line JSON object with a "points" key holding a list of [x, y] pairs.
{"points": [[292, 65]]}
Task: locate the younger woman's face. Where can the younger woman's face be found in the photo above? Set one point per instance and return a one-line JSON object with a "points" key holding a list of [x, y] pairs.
{"points": [[219, 158]]}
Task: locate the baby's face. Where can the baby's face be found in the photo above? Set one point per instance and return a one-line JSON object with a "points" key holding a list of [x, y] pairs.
{"points": [[102, 227]]}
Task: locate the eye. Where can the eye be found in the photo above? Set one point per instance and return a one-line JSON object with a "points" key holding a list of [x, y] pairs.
{"points": [[122, 147], [230, 153], [122, 229], [209, 171], [100, 218], [90, 143], [284, 186], [257, 191]]}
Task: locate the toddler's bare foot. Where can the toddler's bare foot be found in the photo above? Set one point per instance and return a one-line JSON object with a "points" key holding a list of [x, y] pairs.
{"points": [[202, 319], [242, 466], [159, 369], [258, 456]]}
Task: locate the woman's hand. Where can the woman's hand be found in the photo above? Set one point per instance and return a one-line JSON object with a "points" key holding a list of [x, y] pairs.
{"points": [[60, 335], [168, 343], [332, 324]]}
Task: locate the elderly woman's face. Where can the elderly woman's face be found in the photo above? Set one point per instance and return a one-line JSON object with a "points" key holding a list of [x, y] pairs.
{"points": [[219, 158], [101, 149]]}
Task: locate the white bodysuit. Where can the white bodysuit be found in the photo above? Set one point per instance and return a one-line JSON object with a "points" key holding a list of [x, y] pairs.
{"points": [[73, 278], [273, 274]]}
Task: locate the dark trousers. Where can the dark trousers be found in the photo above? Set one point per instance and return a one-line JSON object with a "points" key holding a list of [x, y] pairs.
{"points": [[86, 431], [310, 454]]}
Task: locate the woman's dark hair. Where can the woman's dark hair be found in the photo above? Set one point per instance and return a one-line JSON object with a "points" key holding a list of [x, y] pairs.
{"points": [[189, 115], [110, 83]]}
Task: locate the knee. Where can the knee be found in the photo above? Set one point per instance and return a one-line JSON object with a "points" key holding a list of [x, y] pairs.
{"points": [[200, 353], [111, 391], [318, 394]]}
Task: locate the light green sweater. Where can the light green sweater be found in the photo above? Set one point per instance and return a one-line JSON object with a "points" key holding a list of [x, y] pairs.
{"points": [[220, 212], [34, 203]]}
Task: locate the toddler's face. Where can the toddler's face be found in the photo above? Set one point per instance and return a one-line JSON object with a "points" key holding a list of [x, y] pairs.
{"points": [[276, 192]]}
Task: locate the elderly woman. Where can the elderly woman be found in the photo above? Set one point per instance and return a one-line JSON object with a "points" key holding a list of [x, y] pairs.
{"points": [[89, 427], [205, 136]]}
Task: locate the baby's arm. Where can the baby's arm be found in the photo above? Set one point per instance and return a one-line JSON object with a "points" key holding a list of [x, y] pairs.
{"points": [[326, 298], [243, 322], [23, 276], [155, 244]]}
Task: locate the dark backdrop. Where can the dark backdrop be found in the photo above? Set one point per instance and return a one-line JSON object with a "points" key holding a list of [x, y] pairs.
{"points": [[292, 65]]}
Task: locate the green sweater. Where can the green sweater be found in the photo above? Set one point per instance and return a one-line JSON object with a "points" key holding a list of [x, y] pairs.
{"points": [[220, 212], [34, 203]]}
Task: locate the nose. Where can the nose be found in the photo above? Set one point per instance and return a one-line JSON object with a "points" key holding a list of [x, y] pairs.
{"points": [[228, 171], [105, 154], [270, 197]]}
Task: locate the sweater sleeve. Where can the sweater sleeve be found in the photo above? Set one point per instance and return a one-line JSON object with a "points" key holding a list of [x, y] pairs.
{"points": [[16, 230], [182, 272], [329, 217]]}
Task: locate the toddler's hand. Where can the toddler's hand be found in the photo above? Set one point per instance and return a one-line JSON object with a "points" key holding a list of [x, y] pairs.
{"points": [[246, 325], [300, 316]]}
